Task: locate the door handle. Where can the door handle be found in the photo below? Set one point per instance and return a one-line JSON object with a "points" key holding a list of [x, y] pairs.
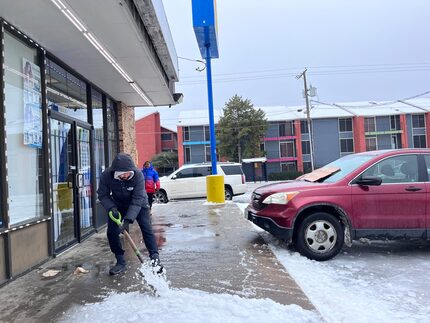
{"points": [[413, 189], [79, 180]]}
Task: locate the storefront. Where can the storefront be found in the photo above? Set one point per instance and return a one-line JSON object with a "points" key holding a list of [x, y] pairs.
{"points": [[60, 133], [69, 81]]}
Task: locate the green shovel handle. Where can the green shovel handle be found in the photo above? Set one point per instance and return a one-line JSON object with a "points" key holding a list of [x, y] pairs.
{"points": [[114, 219]]}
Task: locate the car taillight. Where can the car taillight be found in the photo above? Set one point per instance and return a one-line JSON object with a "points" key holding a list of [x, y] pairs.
{"points": [[243, 179]]}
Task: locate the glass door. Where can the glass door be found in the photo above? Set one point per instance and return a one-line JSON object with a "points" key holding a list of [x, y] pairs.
{"points": [[63, 169], [71, 180], [84, 180]]}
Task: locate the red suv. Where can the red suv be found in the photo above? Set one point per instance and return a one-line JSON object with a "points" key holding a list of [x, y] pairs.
{"points": [[377, 195]]}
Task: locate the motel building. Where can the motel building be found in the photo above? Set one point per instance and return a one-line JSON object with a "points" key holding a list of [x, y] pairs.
{"points": [[337, 129], [71, 74]]}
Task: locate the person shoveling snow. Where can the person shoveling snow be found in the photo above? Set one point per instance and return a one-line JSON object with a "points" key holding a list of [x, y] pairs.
{"points": [[121, 192]]}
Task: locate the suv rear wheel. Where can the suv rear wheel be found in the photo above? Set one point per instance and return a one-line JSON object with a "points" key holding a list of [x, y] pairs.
{"points": [[228, 193], [320, 236]]}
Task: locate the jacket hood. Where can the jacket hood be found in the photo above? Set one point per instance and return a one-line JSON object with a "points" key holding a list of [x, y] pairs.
{"points": [[123, 162], [149, 168]]}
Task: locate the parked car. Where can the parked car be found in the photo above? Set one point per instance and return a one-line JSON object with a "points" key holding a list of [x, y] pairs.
{"points": [[189, 181], [375, 194]]}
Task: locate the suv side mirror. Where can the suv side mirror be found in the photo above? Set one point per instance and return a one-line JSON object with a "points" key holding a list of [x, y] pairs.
{"points": [[369, 180], [174, 177]]}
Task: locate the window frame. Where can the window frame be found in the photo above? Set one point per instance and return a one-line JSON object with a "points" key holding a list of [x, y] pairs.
{"points": [[286, 129], [308, 143], [376, 142], [287, 143], [304, 129], [186, 133], [345, 122], [421, 117], [187, 150], [367, 125], [166, 134], [352, 145], [420, 136]]}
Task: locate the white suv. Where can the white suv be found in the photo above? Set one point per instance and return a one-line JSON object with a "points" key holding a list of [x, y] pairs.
{"points": [[190, 181]]}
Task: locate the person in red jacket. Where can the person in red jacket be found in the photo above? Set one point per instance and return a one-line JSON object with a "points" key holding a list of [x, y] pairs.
{"points": [[152, 183]]}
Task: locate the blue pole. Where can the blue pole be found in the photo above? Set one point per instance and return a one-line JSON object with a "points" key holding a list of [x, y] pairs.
{"points": [[211, 109]]}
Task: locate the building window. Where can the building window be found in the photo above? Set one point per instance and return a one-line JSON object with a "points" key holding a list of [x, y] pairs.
{"points": [[288, 167], [370, 124], [395, 122], [307, 167], [287, 149], [304, 127], [345, 125], [306, 147], [66, 93], [207, 134], [286, 129], [371, 143], [112, 128], [207, 153], [187, 154], [99, 143], [394, 142], [420, 141], [262, 146], [166, 136], [186, 134], [418, 121], [23, 125], [346, 145]]}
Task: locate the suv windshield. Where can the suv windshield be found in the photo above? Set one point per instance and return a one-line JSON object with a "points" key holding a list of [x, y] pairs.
{"points": [[345, 165]]}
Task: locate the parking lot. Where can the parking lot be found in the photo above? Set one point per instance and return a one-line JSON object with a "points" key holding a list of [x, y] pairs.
{"points": [[373, 281]]}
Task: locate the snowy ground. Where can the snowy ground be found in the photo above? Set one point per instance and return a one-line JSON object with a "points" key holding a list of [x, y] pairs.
{"points": [[374, 281], [370, 282]]}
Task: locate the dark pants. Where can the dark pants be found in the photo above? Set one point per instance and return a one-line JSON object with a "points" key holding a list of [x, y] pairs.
{"points": [[144, 221], [150, 199]]}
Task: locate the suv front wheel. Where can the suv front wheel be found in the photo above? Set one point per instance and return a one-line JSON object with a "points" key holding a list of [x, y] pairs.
{"points": [[160, 197], [320, 236]]}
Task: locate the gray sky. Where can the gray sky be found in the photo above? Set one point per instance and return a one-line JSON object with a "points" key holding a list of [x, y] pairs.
{"points": [[354, 49]]}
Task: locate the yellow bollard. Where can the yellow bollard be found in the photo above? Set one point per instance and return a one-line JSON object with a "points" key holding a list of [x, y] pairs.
{"points": [[215, 188]]}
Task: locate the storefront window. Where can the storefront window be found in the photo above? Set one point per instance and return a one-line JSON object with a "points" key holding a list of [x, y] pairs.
{"points": [[66, 93], [23, 113], [112, 130], [99, 148]]}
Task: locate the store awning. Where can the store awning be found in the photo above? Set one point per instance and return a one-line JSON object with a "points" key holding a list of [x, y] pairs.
{"points": [[135, 62]]}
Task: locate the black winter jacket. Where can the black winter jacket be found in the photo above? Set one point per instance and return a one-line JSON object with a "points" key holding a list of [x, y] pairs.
{"points": [[115, 193]]}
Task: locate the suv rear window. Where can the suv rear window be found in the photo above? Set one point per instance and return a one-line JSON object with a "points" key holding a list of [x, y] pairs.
{"points": [[232, 170]]}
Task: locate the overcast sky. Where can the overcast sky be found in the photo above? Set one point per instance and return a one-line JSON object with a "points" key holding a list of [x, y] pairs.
{"points": [[354, 50]]}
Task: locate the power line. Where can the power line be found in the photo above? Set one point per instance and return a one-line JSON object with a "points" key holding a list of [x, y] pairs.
{"points": [[276, 76], [398, 65]]}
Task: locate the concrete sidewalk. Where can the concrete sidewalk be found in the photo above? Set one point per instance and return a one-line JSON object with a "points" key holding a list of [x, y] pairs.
{"points": [[206, 247]]}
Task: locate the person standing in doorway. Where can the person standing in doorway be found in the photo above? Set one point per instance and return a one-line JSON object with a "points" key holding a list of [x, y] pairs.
{"points": [[152, 182], [122, 194]]}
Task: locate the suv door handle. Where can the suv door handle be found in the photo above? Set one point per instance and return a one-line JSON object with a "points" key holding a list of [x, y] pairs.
{"points": [[413, 189]]}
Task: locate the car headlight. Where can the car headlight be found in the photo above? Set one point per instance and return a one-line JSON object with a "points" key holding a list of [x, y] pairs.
{"points": [[280, 198]]}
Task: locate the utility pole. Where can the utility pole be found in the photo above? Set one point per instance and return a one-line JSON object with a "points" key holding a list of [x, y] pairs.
{"points": [[308, 115]]}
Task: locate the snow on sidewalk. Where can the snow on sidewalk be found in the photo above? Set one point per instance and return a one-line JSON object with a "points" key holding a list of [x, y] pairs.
{"points": [[186, 305]]}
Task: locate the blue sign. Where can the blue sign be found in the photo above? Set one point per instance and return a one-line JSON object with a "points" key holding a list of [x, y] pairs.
{"points": [[205, 26]]}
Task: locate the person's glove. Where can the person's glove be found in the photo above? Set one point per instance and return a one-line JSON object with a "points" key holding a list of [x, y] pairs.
{"points": [[125, 225]]}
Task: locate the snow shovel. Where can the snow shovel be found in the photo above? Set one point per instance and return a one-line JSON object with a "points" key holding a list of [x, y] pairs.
{"points": [[130, 241]]}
